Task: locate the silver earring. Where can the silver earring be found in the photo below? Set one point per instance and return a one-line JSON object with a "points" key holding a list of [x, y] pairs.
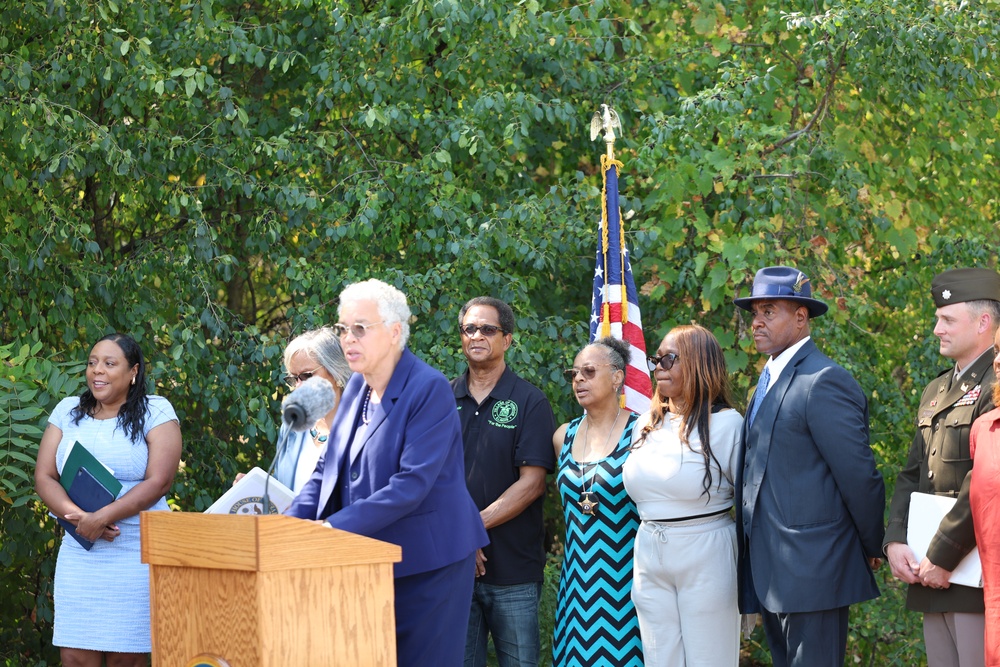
{"points": [[133, 379]]}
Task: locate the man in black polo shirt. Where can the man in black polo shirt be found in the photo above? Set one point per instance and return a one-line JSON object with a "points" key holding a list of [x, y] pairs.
{"points": [[507, 427]]}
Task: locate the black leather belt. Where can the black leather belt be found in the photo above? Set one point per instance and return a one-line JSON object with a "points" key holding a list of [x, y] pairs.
{"points": [[696, 516]]}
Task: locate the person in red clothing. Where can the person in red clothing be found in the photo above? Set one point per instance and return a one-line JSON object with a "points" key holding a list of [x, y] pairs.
{"points": [[984, 499]]}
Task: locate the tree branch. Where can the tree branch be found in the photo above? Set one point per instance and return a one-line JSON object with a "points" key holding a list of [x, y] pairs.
{"points": [[820, 112]]}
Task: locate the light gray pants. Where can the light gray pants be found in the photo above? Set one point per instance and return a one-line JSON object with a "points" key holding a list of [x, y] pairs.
{"points": [[954, 640], [684, 590]]}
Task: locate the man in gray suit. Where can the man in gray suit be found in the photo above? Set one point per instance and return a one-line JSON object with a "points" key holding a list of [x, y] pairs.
{"points": [[810, 500]]}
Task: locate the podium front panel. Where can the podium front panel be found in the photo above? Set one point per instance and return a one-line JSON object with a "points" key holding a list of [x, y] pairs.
{"points": [[267, 592]]}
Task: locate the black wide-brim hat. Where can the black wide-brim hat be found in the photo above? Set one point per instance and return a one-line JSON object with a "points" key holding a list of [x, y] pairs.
{"points": [[785, 283]]}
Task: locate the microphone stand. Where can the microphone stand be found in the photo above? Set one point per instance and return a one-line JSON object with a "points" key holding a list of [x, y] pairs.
{"points": [[282, 442]]}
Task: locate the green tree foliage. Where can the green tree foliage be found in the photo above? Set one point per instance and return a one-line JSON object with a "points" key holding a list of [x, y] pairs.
{"points": [[27, 541], [208, 175]]}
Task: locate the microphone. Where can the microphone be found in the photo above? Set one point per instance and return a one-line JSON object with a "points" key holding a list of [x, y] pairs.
{"points": [[300, 410], [310, 401]]}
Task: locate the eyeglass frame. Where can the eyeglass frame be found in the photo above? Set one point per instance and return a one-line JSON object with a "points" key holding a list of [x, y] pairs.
{"points": [[293, 379], [588, 372], [481, 328], [653, 361], [342, 329]]}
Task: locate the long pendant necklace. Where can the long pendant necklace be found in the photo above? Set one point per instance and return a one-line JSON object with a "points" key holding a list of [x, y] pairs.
{"points": [[587, 504]]}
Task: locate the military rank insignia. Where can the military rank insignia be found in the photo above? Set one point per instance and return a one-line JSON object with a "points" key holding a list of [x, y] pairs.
{"points": [[970, 397]]}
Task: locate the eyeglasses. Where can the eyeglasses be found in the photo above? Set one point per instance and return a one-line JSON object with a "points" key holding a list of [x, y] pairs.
{"points": [[665, 361], [588, 372], [293, 380], [488, 330], [357, 329]]}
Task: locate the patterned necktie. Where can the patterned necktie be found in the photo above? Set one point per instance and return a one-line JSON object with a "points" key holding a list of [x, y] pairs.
{"points": [[758, 395]]}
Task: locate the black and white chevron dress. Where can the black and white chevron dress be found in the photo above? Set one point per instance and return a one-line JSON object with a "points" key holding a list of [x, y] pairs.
{"points": [[596, 624]]}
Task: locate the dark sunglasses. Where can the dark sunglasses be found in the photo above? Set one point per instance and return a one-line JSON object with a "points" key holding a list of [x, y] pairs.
{"points": [[588, 372], [293, 380], [667, 361], [487, 330]]}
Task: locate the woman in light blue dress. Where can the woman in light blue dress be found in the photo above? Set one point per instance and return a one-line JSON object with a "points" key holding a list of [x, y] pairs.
{"points": [[102, 595]]}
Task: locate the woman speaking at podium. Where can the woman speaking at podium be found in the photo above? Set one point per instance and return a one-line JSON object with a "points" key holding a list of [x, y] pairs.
{"points": [[394, 471]]}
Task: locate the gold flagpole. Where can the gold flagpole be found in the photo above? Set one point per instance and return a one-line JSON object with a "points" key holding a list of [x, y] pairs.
{"points": [[606, 120]]}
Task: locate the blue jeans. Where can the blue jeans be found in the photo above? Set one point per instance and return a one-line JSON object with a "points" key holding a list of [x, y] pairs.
{"points": [[510, 614]]}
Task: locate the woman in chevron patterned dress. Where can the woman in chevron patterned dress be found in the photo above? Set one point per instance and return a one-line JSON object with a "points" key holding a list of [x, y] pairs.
{"points": [[596, 623]]}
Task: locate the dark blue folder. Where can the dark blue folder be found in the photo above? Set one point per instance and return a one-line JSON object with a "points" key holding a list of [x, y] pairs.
{"points": [[90, 495]]}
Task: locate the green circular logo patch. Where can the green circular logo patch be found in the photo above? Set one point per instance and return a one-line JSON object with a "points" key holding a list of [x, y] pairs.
{"points": [[504, 412]]}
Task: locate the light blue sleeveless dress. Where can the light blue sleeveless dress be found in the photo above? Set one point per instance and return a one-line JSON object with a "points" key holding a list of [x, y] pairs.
{"points": [[102, 595], [596, 623]]}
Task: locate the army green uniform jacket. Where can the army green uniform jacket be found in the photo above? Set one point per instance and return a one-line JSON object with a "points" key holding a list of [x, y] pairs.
{"points": [[939, 463]]}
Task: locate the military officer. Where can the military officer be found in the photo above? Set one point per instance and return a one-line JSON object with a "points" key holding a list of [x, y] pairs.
{"points": [[968, 313]]}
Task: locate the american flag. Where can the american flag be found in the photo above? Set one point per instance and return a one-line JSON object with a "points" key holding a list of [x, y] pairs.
{"points": [[615, 306]]}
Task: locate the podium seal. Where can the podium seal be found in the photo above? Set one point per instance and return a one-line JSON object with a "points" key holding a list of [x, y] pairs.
{"points": [[207, 660]]}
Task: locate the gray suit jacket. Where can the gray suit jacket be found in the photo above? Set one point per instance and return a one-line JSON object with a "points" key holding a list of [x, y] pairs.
{"points": [[810, 500]]}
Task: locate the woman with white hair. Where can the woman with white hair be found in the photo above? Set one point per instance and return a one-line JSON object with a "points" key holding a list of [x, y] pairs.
{"points": [[315, 353], [394, 471]]}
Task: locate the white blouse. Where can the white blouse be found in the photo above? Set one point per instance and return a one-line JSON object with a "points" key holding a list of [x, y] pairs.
{"points": [[666, 478], [306, 465]]}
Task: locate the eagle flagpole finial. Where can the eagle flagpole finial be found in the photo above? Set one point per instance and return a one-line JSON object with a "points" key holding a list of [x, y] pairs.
{"points": [[605, 120]]}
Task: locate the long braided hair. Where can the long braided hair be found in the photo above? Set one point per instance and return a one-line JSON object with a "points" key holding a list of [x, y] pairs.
{"points": [[705, 389], [132, 414]]}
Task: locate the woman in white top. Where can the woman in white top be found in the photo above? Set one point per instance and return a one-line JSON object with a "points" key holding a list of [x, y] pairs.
{"points": [[685, 453]]}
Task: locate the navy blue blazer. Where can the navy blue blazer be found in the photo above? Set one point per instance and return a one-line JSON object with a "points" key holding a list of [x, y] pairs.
{"points": [[404, 480], [810, 501]]}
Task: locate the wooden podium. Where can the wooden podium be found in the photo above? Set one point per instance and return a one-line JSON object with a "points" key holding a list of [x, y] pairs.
{"points": [[266, 591]]}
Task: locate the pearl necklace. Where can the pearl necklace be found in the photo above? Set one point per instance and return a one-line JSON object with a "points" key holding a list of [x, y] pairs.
{"points": [[364, 408]]}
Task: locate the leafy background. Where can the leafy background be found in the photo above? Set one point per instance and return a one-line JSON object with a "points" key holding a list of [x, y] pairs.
{"points": [[208, 175]]}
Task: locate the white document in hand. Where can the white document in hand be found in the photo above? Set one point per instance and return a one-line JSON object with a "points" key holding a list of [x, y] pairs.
{"points": [[247, 496], [926, 512]]}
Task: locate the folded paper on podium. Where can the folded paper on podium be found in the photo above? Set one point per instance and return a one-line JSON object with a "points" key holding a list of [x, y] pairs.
{"points": [[247, 496]]}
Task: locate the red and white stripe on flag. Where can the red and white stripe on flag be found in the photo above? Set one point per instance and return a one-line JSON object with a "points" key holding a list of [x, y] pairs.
{"points": [[615, 304]]}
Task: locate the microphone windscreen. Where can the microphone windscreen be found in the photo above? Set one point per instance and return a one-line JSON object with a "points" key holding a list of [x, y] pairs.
{"points": [[310, 401]]}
